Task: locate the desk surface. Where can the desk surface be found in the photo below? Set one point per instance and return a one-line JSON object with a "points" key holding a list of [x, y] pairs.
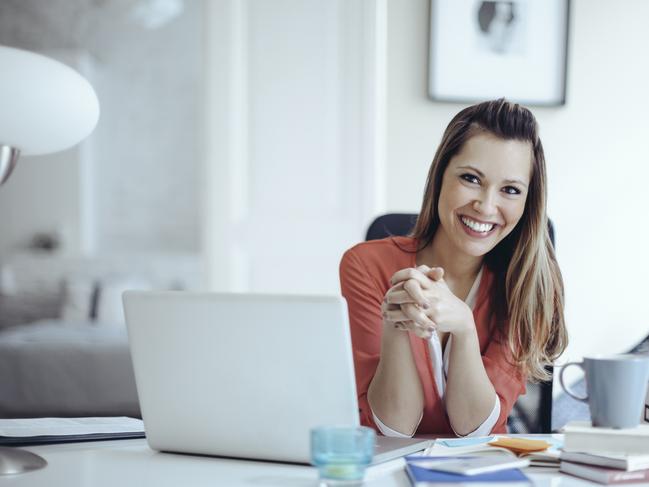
{"points": [[133, 463]]}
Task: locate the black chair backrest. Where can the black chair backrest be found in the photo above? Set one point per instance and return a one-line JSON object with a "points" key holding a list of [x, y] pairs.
{"points": [[532, 412], [396, 224]]}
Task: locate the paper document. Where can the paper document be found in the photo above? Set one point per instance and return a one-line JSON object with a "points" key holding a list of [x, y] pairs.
{"points": [[463, 446], [53, 430], [542, 450]]}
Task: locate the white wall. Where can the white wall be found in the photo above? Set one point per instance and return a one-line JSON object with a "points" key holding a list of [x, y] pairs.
{"points": [[293, 133], [596, 151], [133, 185], [43, 195], [147, 160]]}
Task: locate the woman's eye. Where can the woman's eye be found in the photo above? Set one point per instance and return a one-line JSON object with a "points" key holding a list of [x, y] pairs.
{"points": [[511, 190], [470, 178]]}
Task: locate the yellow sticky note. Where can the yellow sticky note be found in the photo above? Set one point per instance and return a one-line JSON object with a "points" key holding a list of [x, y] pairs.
{"points": [[521, 445]]}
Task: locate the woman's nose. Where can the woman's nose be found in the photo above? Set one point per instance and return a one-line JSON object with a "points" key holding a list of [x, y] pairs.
{"points": [[485, 203]]}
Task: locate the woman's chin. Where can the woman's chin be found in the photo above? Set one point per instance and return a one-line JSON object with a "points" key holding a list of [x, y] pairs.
{"points": [[475, 249]]}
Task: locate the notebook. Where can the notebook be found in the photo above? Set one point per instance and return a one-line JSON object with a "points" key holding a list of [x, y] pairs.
{"points": [[244, 375], [604, 475], [613, 460], [420, 475], [581, 436], [37, 431]]}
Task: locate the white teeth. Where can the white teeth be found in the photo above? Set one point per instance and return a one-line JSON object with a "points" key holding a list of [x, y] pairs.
{"points": [[478, 227]]}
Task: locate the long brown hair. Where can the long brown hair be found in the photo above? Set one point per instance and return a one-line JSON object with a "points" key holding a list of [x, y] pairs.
{"points": [[528, 294]]}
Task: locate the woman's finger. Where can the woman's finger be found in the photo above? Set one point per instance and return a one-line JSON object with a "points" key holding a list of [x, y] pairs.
{"points": [[422, 333], [397, 287], [414, 313], [436, 273], [400, 297], [413, 327], [413, 288], [410, 273], [385, 306], [395, 315]]}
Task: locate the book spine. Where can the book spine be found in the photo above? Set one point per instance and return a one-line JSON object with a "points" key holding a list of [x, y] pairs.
{"points": [[628, 477], [596, 460], [601, 445]]}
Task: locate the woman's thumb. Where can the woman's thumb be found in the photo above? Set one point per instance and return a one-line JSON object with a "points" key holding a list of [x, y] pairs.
{"points": [[436, 274]]}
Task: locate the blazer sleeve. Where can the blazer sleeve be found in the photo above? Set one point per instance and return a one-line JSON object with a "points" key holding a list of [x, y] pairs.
{"points": [[507, 379], [364, 300]]}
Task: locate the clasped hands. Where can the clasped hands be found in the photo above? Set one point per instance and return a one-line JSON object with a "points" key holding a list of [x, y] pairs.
{"points": [[420, 301]]}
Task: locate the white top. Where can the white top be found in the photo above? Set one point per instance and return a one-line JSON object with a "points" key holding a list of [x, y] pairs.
{"points": [[440, 361]]}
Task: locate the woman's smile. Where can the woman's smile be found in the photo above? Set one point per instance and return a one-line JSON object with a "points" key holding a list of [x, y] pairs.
{"points": [[476, 228]]}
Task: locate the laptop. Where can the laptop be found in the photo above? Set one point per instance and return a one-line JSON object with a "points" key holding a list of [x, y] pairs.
{"points": [[244, 375]]}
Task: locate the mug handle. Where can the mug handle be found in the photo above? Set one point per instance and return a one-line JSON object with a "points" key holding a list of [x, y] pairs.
{"points": [[563, 386]]}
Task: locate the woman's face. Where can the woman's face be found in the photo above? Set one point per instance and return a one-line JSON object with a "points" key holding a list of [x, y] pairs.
{"points": [[483, 193]]}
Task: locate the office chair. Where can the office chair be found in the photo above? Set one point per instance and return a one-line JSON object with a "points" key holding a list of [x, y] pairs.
{"points": [[532, 412]]}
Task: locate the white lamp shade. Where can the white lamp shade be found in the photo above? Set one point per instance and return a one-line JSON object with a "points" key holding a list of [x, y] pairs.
{"points": [[45, 106]]}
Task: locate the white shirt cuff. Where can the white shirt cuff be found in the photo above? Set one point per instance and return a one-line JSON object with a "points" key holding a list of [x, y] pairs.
{"points": [[387, 431], [485, 428]]}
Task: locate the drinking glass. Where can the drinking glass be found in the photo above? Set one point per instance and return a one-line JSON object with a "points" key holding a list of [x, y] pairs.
{"points": [[342, 453]]}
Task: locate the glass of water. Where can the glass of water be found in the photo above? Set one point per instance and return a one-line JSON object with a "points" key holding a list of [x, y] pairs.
{"points": [[342, 453]]}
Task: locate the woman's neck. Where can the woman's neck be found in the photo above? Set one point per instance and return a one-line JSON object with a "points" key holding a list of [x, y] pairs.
{"points": [[457, 267]]}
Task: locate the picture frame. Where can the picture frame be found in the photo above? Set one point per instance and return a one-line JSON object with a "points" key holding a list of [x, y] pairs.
{"points": [[481, 50]]}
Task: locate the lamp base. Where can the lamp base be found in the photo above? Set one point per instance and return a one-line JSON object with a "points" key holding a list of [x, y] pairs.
{"points": [[15, 461], [8, 158]]}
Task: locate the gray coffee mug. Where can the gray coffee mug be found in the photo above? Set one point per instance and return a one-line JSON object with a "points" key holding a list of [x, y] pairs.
{"points": [[615, 386]]}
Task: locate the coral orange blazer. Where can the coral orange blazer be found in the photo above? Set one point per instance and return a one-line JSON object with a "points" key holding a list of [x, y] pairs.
{"points": [[365, 272]]}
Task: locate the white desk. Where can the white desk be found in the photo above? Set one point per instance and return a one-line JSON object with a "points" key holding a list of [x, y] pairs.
{"points": [[132, 463]]}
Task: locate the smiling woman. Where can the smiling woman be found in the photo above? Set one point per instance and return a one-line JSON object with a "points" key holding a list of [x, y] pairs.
{"points": [[448, 323]]}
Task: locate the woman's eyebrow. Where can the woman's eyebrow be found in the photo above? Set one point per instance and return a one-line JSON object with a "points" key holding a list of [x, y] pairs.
{"points": [[515, 181], [481, 174]]}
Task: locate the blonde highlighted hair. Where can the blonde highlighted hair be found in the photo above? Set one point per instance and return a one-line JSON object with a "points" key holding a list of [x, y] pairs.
{"points": [[528, 296]]}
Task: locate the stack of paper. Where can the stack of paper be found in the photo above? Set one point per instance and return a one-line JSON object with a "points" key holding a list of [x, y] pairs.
{"points": [[57, 430]]}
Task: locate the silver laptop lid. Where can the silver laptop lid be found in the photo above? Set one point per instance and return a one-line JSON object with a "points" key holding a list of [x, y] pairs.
{"points": [[240, 375]]}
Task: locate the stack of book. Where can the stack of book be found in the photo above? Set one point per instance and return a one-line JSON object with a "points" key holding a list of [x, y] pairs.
{"points": [[475, 461], [605, 455]]}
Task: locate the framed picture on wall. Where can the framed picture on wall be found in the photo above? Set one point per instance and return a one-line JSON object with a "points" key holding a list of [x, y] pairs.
{"points": [[517, 49]]}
